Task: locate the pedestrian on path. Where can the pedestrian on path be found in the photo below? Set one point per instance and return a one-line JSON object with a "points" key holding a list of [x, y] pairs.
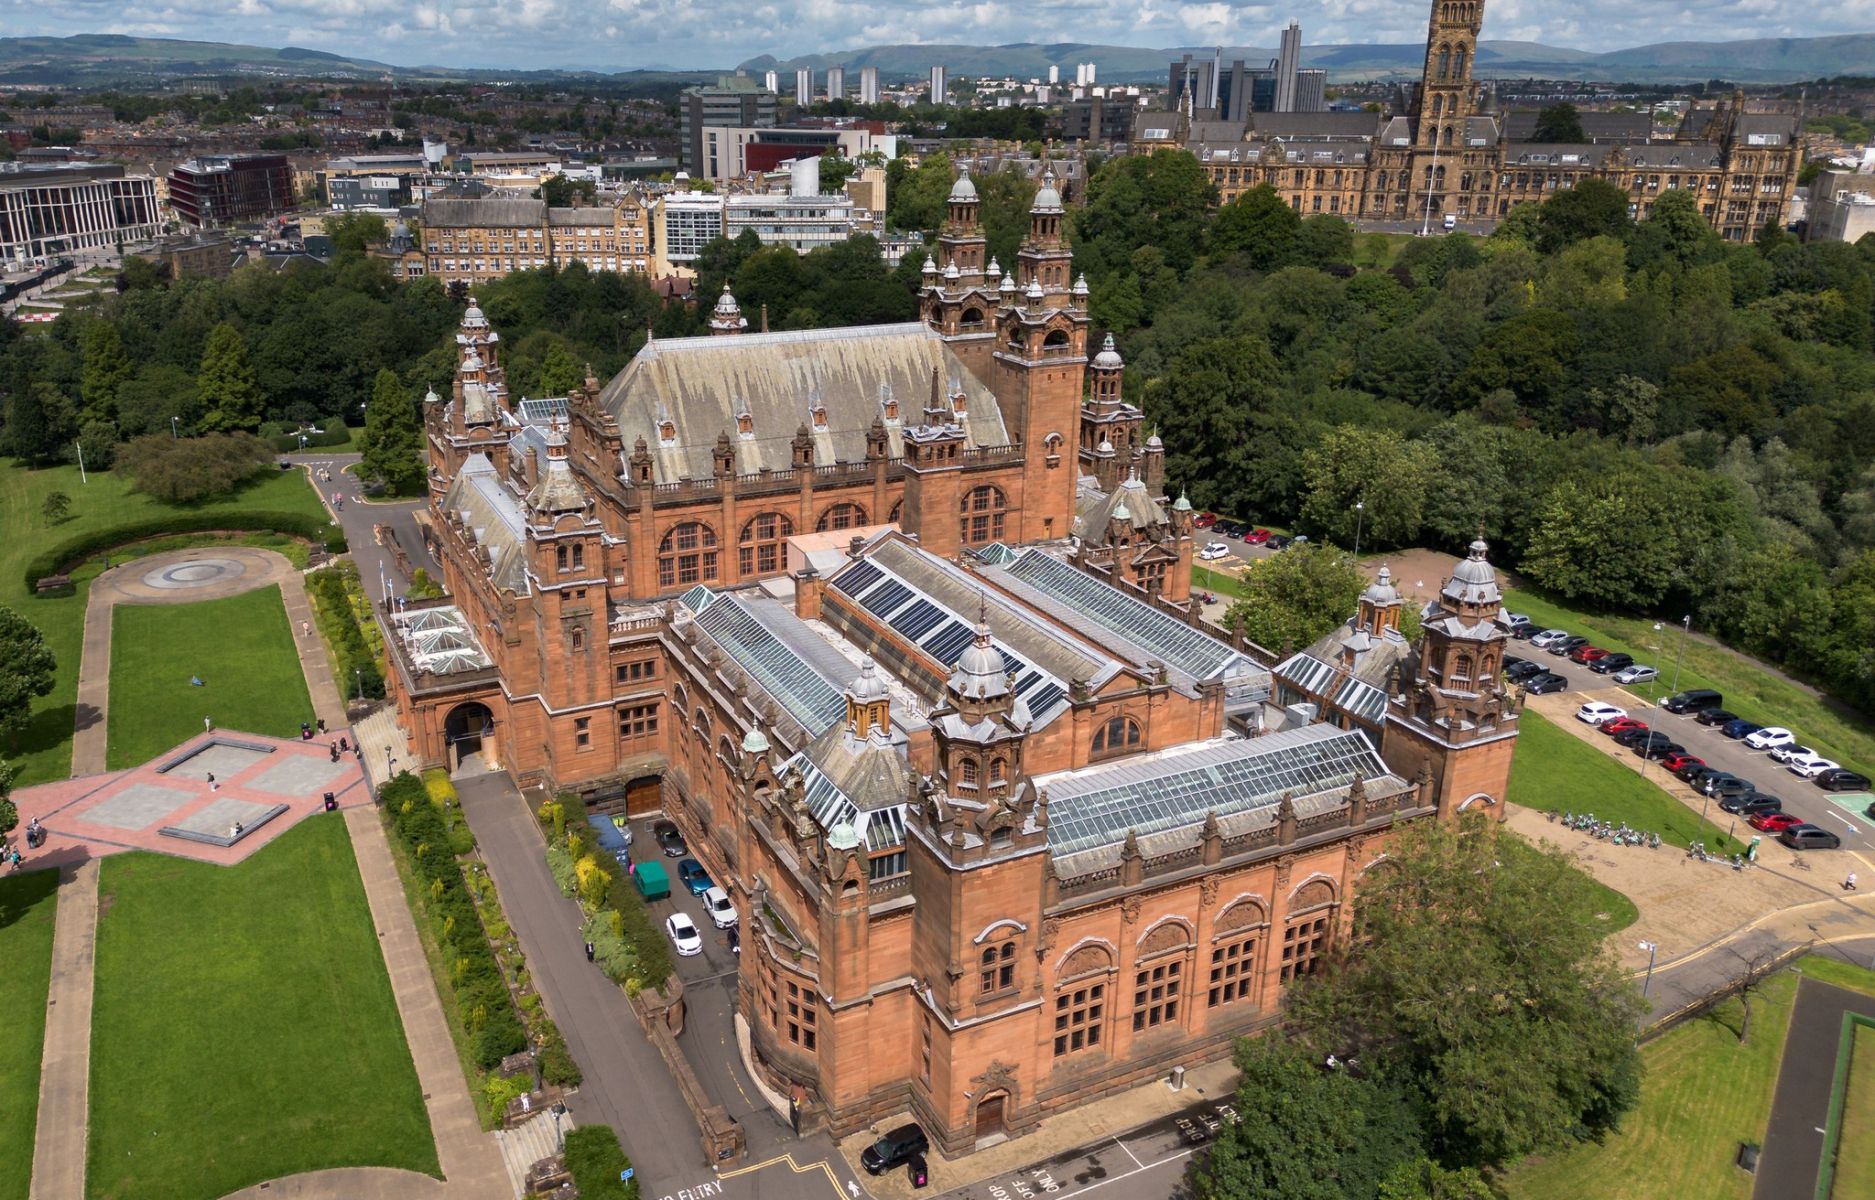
{"points": [[1848, 885], [305, 628], [588, 951], [212, 785]]}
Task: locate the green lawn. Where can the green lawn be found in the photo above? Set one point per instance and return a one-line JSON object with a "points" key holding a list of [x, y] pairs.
{"points": [[1615, 910], [26, 907], [241, 647], [244, 1027], [1701, 1096], [44, 750], [1751, 690], [1205, 580], [1554, 771], [1855, 1151]]}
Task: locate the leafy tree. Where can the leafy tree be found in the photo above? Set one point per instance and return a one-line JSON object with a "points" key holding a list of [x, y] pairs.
{"points": [[1424, 1179], [1592, 208], [352, 233], [392, 446], [56, 508], [1674, 232], [916, 197], [231, 396], [561, 192], [106, 369], [1559, 123], [1204, 406], [1481, 975], [1377, 468], [29, 670], [1259, 225], [1294, 597], [39, 422], [157, 392], [186, 470], [1324, 240], [559, 374], [423, 586]]}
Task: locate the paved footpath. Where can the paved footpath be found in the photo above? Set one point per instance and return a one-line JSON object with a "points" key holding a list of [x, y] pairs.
{"points": [[1793, 1141], [65, 1070]]}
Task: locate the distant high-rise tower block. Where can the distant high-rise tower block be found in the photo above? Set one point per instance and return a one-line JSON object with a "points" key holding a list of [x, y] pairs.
{"points": [[772, 81], [940, 84], [836, 83], [1054, 74], [869, 85], [804, 86], [1288, 59], [1312, 90]]}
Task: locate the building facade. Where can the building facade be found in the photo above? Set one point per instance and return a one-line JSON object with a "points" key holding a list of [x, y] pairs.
{"points": [[471, 240], [735, 101], [212, 190], [50, 210], [894, 623]]}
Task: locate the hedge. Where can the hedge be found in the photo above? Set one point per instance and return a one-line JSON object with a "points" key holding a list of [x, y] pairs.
{"points": [[632, 948], [595, 1160], [482, 996], [332, 590], [59, 559]]}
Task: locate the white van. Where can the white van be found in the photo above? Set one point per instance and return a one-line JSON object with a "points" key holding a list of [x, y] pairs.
{"points": [[1451, 221]]}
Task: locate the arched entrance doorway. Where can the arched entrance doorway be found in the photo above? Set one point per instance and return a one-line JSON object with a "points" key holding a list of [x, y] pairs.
{"points": [[990, 1115], [469, 733]]}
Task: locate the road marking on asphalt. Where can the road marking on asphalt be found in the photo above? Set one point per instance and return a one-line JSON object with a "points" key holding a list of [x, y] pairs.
{"points": [[1129, 1151], [1142, 1167], [833, 1181]]}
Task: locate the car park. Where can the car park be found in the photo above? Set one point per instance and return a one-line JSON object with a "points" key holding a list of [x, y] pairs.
{"points": [[695, 879], [1791, 752], [1608, 664], [1695, 700], [1637, 673], [670, 839], [1842, 780], [1809, 837], [1256, 537], [893, 1149], [683, 934], [1775, 821], [1214, 551], [1677, 762], [1595, 712], [1586, 654], [1548, 638], [1568, 646], [1810, 768], [722, 910], [1545, 683], [1715, 716], [1739, 729], [1658, 750], [1770, 737]]}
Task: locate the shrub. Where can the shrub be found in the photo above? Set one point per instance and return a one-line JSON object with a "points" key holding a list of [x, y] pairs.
{"points": [[560, 864], [442, 792], [498, 1093], [334, 591], [501, 1036], [556, 1061], [595, 1160], [56, 560], [185, 470]]}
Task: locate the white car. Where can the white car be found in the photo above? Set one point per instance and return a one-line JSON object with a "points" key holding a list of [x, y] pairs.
{"points": [[1548, 638], [684, 935], [1636, 674], [1515, 620], [1214, 551], [1792, 752], [1765, 739], [722, 912], [1597, 713], [1810, 768]]}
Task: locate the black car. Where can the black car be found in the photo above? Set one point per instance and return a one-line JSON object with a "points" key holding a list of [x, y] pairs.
{"points": [[1608, 664], [1715, 716], [1696, 773], [1523, 669], [1278, 541], [1568, 644], [1842, 780], [1526, 631], [1728, 785], [1510, 661], [1545, 683], [1809, 837], [1658, 748], [1697, 700], [1751, 804], [1631, 737], [899, 1146], [669, 839]]}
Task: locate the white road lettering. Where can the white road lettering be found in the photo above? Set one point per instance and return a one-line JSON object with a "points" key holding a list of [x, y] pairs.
{"points": [[712, 1188]]}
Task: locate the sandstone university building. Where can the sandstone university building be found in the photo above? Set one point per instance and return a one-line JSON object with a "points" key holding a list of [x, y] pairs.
{"points": [[895, 623]]}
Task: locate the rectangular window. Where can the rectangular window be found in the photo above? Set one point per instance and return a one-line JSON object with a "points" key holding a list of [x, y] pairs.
{"points": [[1233, 972], [1155, 994], [632, 672], [579, 555], [924, 1058], [1079, 1017], [1304, 942], [637, 721], [582, 732], [801, 1012]]}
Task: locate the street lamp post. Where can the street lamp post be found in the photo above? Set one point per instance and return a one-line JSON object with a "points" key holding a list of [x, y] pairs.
{"points": [[1360, 516], [172, 428], [359, 672], [1652, 948], [1686, 627]]}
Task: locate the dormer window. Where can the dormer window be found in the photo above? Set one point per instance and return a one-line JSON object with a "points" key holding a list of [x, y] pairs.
{"points": [[818, 415], [891, 409], [745, 425], [667, 433]]}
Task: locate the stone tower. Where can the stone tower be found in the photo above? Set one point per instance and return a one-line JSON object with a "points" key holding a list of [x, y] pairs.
{"points": [[1445, 94]]}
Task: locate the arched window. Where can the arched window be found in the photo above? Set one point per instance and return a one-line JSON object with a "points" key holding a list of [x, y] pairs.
{"points": [[1118, 736], [1309, 931], [1438, 106], [967, 774], [898, 510], [761, 550], [996, 968], [1458, 64], [841, 516], [999, 772], [687, 555], [972, 317], [700, 724], [1448, 139], [982, 509], [1445, 62], [1057, 339]]}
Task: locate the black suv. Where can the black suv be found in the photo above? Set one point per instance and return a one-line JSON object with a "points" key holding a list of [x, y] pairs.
{"points": [[1523, 669], [901, 1145], [1722, 786], [1715, 716], [1697, 700], [1608, 664], [1842, 780]]}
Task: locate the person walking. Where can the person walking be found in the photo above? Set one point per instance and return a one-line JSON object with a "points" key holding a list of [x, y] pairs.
{"points": [[1848, 885], [305, 628], [212, 785], [588, 951]]}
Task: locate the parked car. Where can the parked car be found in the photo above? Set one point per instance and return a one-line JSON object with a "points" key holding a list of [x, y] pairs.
{"points": [[1659, 749], [683, 934], [1277, 541], [1586, 654], [722, 910], [1810, 768], [1842, 780], [1256, 537], [1514, 621], [1695, 776], [1622, 725], [1524, 633], [1214, 551], [1548, 638], [1627, 737], [1568, 646], [894, 1148], [1636, 674], [695, 879], [1675, 762], [1750, 804], [1696, 700], [1739, 729], [1791, 752], [1775, 821], [1770, 737], [1608, 664], [1544, 684], [1809, 837], [1230, 528], [1523, 670], [1728, 785], [1597, 713], [669, 839], [1204, 520], [1715, 716], [1509, 661]]}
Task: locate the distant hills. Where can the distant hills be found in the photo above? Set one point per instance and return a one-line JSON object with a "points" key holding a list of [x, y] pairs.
{"points": [[106, 58]]}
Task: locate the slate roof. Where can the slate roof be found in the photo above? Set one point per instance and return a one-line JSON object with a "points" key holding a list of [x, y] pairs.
{"points": [[1520, 124], [1316, 126], [472, 214], [600, 216], [493, 513], [701, 384], [1096, 510]]}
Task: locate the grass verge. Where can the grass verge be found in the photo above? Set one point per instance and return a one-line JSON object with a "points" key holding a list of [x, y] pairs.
{"points": [[1204, 579], [27, 905], [240, 646], [1855, 1146], [244, 1027], [1554, 771], [1614, 909]]}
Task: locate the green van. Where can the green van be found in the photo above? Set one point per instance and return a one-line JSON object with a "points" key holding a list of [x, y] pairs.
{"points": [[653, 883]]}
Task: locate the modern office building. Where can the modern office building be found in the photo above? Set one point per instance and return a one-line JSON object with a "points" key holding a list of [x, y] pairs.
{"points": [[685, 222], [734, 100], [801, 223], [46, 210], [216, 189], [1288, 61]]}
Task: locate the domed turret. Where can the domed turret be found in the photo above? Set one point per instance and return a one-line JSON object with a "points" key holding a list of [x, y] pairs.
{"points": [[754, 742], [963, 191], [868, 686], [1109, 357], [727, 316], [1474, 579], [1382, 591], [982, 672], [1048, 198], [1182, 504]]}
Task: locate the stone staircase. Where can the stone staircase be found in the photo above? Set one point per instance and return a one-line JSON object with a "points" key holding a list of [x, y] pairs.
{"points": [[374, 733], [528, 1143]]}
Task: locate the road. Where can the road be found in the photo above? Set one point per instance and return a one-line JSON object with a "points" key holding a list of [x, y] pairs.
{"points": [[1793, 1141], [1149, 1162], [376, 567]]}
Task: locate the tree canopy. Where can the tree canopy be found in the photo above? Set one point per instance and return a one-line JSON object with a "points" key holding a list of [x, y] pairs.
{"points": [[29, 670]]}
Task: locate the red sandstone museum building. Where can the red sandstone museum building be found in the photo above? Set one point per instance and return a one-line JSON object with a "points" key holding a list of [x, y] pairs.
{"points": [[894, 623]]}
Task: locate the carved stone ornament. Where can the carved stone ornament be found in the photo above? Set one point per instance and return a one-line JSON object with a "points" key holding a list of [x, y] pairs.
{"points": [[1086, 960], [1051, 929], [1207, 891], [1284, 865], [998, 1074], [1129, 909], [1169, 936]]}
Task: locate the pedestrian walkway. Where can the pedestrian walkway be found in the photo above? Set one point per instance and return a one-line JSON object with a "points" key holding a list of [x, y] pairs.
{"points": [[65, 1070], [527, 1143], [1793, 1139]]}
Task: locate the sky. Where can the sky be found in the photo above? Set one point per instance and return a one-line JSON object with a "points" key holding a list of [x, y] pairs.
{"points": [[696, 34]]}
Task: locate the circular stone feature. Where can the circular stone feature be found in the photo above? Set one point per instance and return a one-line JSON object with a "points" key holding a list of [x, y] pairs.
{"points": [[196, 573]]}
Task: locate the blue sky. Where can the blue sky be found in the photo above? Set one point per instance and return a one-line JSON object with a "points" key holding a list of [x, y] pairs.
{"points": [[622, 34]]}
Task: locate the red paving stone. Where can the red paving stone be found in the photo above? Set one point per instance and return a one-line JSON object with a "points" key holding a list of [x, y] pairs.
{"points": [[62, 808]]}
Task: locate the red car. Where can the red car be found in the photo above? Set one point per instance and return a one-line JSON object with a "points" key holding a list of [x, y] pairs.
{"points": [[1621, 725], [1587, 654], [1204, 520], [1774, 822], [1674, 762], [1256, 537]]}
